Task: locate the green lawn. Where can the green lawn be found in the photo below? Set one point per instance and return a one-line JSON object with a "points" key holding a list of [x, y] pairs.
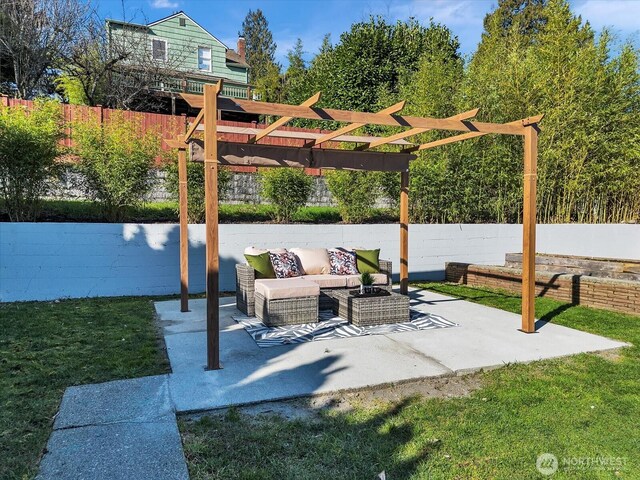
{"points": [[48, 346], [581, 407], [167, 212]]}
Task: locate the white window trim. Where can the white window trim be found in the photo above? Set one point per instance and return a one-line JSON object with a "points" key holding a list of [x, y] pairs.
{"points": [[166, 48], [210, 58]]}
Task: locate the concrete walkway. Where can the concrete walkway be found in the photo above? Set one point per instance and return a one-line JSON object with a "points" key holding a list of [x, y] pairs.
{"points": [[127, 429], [118, 430]]}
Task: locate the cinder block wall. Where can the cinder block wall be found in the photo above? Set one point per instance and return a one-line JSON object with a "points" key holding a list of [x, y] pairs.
{"points": [[45, 261], [617, 295]]}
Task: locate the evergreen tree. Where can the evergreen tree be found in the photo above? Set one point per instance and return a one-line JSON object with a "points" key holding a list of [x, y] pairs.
{"points": [[296, 90], [260, 47]]}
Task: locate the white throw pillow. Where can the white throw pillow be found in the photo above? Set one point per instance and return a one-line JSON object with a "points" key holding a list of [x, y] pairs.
{"points": [[314, 261]]}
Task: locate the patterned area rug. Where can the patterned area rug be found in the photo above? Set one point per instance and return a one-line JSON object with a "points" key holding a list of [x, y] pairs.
{"points": [[330, 326]]}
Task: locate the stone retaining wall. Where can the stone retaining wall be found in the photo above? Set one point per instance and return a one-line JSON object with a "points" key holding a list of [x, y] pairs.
{"points": [[609, 294]]}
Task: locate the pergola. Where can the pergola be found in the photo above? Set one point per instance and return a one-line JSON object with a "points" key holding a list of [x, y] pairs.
{"points": [[213, 152]]}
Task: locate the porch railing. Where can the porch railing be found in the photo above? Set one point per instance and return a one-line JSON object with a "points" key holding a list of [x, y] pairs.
{"points": [[178, 85]]}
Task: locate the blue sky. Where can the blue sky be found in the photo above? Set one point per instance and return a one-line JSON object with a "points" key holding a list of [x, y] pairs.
{"points": [[312, 19]]}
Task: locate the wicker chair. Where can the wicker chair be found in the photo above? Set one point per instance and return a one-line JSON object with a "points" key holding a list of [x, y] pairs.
{"points": [[245, 288]]}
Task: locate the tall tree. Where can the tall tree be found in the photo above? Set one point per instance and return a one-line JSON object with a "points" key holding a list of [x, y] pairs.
{"points": [[260, 47], [34, 35], [296, 89]]}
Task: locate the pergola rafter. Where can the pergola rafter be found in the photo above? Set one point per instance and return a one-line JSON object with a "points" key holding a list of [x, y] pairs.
{"points": [[465, 136], [329, 114], [311, 154], [354, 126], [283, 120], [413, 131]]}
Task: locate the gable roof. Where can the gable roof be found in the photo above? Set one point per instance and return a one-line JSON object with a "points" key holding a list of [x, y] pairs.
{"points": [[194, 22]]}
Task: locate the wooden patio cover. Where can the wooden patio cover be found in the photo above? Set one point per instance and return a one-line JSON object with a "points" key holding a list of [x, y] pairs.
{"points": [[213, 152]]}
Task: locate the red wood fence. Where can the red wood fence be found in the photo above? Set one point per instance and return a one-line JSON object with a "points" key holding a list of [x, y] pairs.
{"points": [[168, 126]]}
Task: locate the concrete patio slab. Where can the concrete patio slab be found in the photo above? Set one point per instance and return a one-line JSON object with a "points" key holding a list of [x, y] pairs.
{"points": [[137, 400], [121, 451], [252, 374], [486, 338]]}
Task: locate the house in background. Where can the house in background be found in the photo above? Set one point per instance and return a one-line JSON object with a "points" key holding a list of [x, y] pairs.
{"points": [[189, 55]]}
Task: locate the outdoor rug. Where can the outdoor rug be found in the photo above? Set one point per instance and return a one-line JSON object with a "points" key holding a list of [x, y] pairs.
{"points": [[330, 326]]}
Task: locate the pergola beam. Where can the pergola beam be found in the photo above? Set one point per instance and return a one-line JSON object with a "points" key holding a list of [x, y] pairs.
{"points": [[283, 120], [414, 131], [465, 136], [353, 126], [313, 113], [312, 137]]}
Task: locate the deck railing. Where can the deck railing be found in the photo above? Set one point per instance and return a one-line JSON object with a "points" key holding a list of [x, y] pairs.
{"points": [[178, 85]]}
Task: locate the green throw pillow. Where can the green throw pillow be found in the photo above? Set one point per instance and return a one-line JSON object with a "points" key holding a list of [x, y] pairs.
{"points": [[262, 265], [368, 261]]}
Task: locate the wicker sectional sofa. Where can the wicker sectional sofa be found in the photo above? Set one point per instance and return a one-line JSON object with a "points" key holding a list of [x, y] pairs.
{"points": [[252, 301]]}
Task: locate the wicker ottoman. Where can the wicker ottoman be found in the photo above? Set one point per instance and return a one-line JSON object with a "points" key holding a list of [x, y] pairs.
{"points": [[371, 310], [286, 301]]}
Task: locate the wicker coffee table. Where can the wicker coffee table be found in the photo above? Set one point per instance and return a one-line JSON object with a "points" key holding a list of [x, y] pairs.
{"points": [[371, 310]]}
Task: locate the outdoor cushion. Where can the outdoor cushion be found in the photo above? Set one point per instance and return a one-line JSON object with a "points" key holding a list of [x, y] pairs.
{"points": [[275, 289], [314, 261], [343, 262], [328, 281], [261, 264], [368, 261], [285, 264], [354, 280]]}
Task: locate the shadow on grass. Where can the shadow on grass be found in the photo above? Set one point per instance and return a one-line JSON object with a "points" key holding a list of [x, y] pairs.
{"points": [[342, 444]]}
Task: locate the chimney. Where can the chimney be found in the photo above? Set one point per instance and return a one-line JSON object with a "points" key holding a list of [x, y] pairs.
{"points": [[242, 48]]}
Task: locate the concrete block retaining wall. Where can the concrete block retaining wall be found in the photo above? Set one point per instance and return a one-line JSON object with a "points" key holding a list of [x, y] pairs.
{"points": [[243, 188], [44, 261], [610, 294]]}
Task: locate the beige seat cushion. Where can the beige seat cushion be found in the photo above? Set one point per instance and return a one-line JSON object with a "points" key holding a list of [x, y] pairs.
{"points": [[354, 280], [314, 261], [328, 281], [278, 288]]}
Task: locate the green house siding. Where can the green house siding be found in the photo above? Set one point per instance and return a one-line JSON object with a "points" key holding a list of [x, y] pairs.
{"points": [[182, 47]]}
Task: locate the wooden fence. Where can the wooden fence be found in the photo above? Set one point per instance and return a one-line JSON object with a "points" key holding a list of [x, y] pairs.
{"points": [[167, 125]]}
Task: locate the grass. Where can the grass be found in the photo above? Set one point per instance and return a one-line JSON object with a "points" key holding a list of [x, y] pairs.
{"points": [[581, 407], [166, 212], [48, 346]]}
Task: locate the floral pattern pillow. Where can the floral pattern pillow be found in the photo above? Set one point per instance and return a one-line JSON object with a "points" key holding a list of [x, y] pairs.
{"points": [[343, 262], [284, 264]]}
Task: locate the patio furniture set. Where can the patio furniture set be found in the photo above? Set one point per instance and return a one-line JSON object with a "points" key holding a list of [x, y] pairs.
{"points": [[289, 287]]}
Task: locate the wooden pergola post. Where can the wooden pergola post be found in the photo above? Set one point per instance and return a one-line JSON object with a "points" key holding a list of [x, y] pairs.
{"points": [[184, 230], [529, 230], [211, 222], [404, 232]]}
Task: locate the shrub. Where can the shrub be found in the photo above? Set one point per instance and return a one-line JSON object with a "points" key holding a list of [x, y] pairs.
{"points": [[287, 189], [28, 148], [195, 186], [115, 161], [355, 192]]}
